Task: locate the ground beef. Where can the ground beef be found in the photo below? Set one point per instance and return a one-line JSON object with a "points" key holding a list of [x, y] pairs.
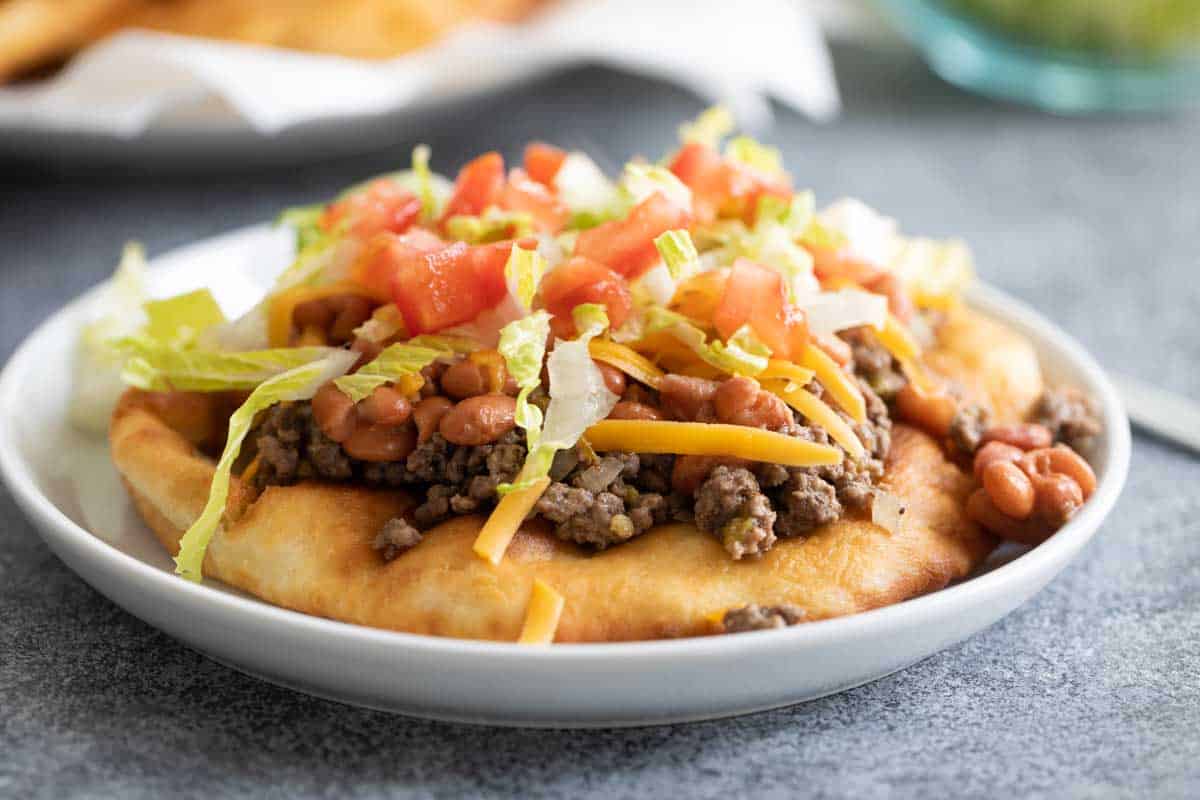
{"points": [[731, 505], [761, 618], [808, 503], [292, 447], [874, 363], [1071, 416], [597, 504], [967, 426], [602, 500], [396, 536]]}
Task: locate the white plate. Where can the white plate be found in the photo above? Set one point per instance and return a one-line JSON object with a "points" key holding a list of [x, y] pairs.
{"points": [[66, 485]]}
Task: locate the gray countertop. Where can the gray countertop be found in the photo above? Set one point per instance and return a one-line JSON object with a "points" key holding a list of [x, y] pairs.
{"points": [[1091, 689]]}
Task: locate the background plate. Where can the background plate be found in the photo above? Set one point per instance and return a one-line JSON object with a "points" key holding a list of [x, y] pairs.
{"points": [[64, 482]]}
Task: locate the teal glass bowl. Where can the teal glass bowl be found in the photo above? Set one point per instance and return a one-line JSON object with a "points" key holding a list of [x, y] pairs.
{"points": [[980, 58]]}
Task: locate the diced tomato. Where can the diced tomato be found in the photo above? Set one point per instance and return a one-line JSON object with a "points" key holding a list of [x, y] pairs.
{"points": [[487, 261], [831, 264], [542, 162], [627, 245], [722, 187], [376, 267], [382, 206], [582, 280], [477, 186], [449, 286], [524, 194], [756, 295]]}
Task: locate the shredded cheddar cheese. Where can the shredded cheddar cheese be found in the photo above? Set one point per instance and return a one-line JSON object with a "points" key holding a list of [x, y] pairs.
{"points": [[251, 470], [901, 344], [542, 614], [786, 370], [628, 360], [835, 380], [817, 412], [898, 341], [708, 439], [283, 305], [506, 520]]}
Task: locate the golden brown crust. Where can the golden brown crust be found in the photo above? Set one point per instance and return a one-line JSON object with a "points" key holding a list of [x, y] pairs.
{"points": [[308, 548], [35, 33]]}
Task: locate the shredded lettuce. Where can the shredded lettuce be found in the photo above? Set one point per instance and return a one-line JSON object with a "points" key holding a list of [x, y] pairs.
{"points": [[586, 191], [795, 214], [306, 222], [396, 361], [179, 320], [655, 286], [743, 354], [523, 345], [759, 157], [493, 225], [523, 272], [870, 237], [772, 243], [97, 378], [934, 271], [299, 383], [639, 181], [579, 397], [424, 180], [713, 125], [451, 344], [678, 252], [158, 367]]}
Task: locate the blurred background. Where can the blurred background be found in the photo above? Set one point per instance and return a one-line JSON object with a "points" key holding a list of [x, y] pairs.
{"points": [[1058, 137]]}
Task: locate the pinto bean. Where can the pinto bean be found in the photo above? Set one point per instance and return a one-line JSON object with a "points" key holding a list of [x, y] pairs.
{"points": [[1063, 460], [315, 313], [350, 311], [740, 401], [1032, 531], [992, 452], [614, 379], [385, 406], [1009, 489], [479, 420], [464, 379], [381, 442], [334, 412], [1026, 435], [432, 374], [688, 399], [627, 409], [427, 415], [932, 413], [1058, 497]]}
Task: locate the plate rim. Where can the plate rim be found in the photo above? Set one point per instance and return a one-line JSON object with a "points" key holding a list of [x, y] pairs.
{"points": [[50, 521]]}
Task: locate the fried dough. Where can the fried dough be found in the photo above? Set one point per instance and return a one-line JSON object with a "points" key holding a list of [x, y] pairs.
{"points": [[308, 547]]}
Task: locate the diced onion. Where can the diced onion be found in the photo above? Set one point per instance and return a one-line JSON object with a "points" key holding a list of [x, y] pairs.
{"points": [[887, 511], [830, 312]]}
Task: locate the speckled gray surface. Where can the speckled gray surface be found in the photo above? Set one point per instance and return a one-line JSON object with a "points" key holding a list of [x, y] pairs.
{"points": [[1090, 690]]}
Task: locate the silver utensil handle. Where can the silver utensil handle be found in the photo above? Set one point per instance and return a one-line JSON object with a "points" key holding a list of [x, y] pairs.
{"points": [[1167, 414]]}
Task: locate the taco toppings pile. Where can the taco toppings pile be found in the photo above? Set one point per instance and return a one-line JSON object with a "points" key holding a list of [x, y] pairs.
{"points": [[692, 341]]}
